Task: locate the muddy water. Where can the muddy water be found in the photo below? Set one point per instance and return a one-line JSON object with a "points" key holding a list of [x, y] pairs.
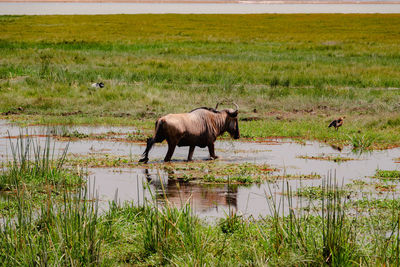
{"points": [[139, 184]]}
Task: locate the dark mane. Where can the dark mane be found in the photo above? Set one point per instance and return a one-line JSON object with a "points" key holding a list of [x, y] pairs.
{"points": [[209, 109]]}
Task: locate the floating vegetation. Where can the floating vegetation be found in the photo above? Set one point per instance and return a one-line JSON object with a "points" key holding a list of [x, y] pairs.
{"points": [[246, 179], [216, 172], [387, 174], [359, 182], [319, 192], [74, 134], [101, 161], [370, 204], [335, 158], [380, 187], [138, 136], [296, 176]]}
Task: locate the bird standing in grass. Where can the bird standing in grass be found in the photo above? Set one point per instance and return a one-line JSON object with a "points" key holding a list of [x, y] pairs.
{"points": [[97, 85], [337, 123]]}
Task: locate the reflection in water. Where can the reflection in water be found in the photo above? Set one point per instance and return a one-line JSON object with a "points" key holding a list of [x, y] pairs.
{"points": [[337, 147], [201, 197], [147, 175], [231, 196]]}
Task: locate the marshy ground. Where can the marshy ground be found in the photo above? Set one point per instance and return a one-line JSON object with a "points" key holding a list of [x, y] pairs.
{"points": [[111, 162], [290, 192], [290, 74]]}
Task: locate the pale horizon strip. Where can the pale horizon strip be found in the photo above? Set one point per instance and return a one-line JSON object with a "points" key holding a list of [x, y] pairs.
{"points": [[96, 8]]}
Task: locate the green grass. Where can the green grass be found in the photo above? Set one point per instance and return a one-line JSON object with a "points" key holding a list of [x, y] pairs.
{"points": [[36, 172], [167, 235], [60, 233], [70, 231], [334, 158], [382, 204], [46, 219], [294, 81], [387, 174], [318, 192], [238, 179]]}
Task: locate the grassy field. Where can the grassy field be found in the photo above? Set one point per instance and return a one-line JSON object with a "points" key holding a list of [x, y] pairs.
{"points": [[290, 74]]}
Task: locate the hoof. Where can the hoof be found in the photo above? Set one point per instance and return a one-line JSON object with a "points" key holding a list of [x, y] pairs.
{"points": [[144, 160]]}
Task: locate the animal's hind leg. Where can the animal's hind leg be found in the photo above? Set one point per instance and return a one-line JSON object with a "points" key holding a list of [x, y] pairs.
{"points": [[171, 149], [158, 138], [150, 143], [212, 152], [191, 150]]}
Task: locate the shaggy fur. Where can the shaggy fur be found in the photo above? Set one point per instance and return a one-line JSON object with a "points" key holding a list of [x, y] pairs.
{"points": [[200, 127]]}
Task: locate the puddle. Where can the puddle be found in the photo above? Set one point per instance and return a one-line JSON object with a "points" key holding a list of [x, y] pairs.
{"points": [[206, 200], [139, 184]]}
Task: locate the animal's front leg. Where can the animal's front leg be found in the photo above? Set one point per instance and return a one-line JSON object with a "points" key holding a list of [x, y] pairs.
{"points": [[171, 149], [191, 150], [212, 152]]}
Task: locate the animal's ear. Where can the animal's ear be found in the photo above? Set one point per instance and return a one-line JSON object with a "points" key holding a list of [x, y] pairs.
{"points": [[233, 114]]}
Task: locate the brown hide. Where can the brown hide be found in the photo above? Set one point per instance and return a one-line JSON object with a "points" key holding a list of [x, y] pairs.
{"points": [[200, 127]]}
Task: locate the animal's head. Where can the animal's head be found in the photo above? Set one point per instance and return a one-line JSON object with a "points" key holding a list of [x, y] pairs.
{"points": [[232, 124], [342, 118]]}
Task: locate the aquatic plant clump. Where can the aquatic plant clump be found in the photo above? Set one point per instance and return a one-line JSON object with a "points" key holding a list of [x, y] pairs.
{"points": [[387, 174], [334, 158], [318, 192], [36, 172], [361, 142], [63, 232]]}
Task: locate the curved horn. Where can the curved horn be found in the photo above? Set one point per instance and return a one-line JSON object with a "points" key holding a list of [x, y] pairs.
{"points": [[216, 106], [237, 107]]}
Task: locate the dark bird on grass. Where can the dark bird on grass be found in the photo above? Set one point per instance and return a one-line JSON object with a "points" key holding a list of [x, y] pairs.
{"points": [[98, 85], [337, 123]]}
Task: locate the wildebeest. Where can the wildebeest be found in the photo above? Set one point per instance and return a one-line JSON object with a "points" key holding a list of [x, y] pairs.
{"points": [[200, 127], [337, 123]]}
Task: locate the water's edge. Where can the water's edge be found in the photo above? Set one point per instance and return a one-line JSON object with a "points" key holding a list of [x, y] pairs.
{"points": [[63, 8]]}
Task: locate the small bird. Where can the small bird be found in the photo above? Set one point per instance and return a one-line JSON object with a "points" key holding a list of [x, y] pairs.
{"points": [[98, 85], [337, 123]]}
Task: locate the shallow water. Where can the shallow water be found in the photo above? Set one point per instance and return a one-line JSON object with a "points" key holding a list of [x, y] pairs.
{"points": [[29, 8], [139, 184]]}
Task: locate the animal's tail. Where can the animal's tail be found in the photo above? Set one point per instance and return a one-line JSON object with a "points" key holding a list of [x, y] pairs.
{"points": [[158, 138], [332, 124]]}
